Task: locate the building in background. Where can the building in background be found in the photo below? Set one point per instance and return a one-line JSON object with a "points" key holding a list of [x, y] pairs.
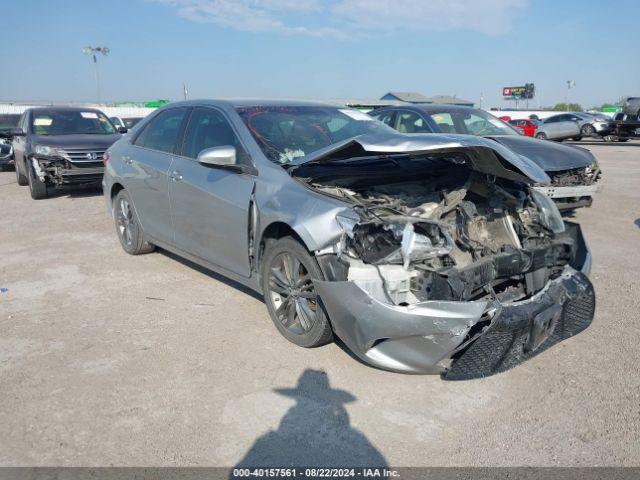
{"points": [[415, 97]]}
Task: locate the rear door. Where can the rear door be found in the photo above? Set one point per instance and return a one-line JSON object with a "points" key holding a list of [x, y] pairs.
{"points": [[145, 171], [569, 126], [209, 205]]}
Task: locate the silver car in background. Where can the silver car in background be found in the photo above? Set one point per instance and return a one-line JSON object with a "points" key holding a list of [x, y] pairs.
{"points": [[422, 253], [594, 124], [558, 127]]}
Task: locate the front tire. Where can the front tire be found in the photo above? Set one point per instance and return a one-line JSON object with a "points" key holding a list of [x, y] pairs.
{"points": [[37, 188], [588, 131], [21, 178], [128, 227], [293, 304]]}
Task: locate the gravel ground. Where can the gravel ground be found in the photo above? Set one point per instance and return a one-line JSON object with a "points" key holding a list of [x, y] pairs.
{"points": [[108, 359]]}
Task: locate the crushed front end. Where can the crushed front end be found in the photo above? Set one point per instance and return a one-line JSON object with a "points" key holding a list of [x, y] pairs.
{"points": [[574, 188], [445, 268], [61, 167]]}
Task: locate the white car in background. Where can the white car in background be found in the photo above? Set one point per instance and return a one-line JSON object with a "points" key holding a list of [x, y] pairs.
{"points": [[125, 122]]}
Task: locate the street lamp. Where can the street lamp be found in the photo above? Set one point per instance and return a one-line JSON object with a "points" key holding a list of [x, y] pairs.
{"points": [[570, 85], [92, 52]]}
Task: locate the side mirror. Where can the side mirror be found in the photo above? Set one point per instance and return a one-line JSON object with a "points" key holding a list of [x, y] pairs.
{"points": [[223, 157], [122, 130]]}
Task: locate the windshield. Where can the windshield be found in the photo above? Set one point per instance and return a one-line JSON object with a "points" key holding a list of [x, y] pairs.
{"points": [[9, 120], [286, 133], [70, 122], [471, 122], [130, 122]]}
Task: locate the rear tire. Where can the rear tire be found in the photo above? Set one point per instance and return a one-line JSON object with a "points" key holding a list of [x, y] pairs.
{"points": [[293, 305], [622, 139], [128, 226], [37, 188], [21, 178]]}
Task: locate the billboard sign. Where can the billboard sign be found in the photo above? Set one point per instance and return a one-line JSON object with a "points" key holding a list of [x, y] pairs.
{"points": [[515, 93]]}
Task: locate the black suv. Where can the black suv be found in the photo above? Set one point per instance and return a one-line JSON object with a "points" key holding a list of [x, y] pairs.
{"points": [[60, 146]]}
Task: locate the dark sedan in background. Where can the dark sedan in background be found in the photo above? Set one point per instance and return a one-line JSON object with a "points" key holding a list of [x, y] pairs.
{"points": [[62, 146], [574, 171], [8, 121]]}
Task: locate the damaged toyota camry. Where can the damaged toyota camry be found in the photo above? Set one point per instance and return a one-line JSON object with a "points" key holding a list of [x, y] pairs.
{"points": [[422, 253]]}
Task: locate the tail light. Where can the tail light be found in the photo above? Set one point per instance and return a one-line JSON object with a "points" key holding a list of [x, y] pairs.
{"points": [[105, 157]]}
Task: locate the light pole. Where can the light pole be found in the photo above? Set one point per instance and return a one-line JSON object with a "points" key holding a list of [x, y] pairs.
{"points": [[92, 52], [570, 85]]}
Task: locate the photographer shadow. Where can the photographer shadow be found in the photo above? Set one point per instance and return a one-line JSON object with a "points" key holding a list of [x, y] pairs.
{"points": [[315, 432]]}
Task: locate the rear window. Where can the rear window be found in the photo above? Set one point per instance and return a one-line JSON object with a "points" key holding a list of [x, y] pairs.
{"points": [[8, 121]]}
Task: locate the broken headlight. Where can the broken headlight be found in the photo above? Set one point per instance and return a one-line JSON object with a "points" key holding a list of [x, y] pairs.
{"points": [[549, 214], [46, 150], [398, 243]]}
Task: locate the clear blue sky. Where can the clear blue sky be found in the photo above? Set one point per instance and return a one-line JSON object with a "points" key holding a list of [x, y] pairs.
{"points": [[320, 48]]}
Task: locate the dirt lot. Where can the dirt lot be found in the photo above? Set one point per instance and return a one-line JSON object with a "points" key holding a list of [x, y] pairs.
{"points": [[108, 359]]}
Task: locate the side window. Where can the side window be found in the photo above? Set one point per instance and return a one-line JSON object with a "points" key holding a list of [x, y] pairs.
{"points": [[385, 117], [444, 121], [163, 131], [552, 119], [209, 128], [410, 122]]}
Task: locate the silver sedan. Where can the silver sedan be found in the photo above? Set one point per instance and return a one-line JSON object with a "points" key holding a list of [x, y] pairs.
{"points": [[558, 127], [422, 253]]}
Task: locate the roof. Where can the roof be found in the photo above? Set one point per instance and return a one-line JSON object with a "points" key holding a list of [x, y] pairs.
{"points": [[449, 100], [432, 107], [412, 97], [254, 102], [64, 109]]}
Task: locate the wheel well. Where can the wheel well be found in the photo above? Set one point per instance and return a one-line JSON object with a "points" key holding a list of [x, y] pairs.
{"points": [[279, 230], [115, 189], [275, 231]]}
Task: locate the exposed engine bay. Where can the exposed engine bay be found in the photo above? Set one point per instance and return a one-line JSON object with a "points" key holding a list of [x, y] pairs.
{"points": [[437, 229]]}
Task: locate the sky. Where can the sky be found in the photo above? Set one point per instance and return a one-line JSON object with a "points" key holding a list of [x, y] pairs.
{"points": [[320, 49]]}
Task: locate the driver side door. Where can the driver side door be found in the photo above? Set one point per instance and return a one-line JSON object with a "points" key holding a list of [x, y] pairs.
{"points": [[210, 205]]}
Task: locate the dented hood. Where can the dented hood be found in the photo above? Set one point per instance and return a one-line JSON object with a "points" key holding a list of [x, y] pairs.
{"points": [[550, 156], [487, 155]]}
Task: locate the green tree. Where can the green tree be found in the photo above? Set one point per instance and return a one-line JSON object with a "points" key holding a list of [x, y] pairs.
{"points": [[572, 107]]}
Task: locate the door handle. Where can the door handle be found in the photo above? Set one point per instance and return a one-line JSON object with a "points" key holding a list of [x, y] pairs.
{"points": [[175, 176], [127, 159]]}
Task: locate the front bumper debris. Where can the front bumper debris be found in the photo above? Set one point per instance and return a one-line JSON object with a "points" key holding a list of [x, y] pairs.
{"points": [[462, 340], [60, 171], [567, 192], [570, 198]]}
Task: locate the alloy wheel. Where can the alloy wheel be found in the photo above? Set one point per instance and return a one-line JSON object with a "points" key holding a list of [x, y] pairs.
{"points": [[124, 217], [291, 290]]}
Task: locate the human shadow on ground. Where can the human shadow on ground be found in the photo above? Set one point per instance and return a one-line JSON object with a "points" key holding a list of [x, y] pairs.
{"points": [[315, 432]]}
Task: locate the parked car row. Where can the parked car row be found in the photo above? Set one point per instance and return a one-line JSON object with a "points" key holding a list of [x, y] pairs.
{"points": [[574, 171], [422, 249], [7, 123]]}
